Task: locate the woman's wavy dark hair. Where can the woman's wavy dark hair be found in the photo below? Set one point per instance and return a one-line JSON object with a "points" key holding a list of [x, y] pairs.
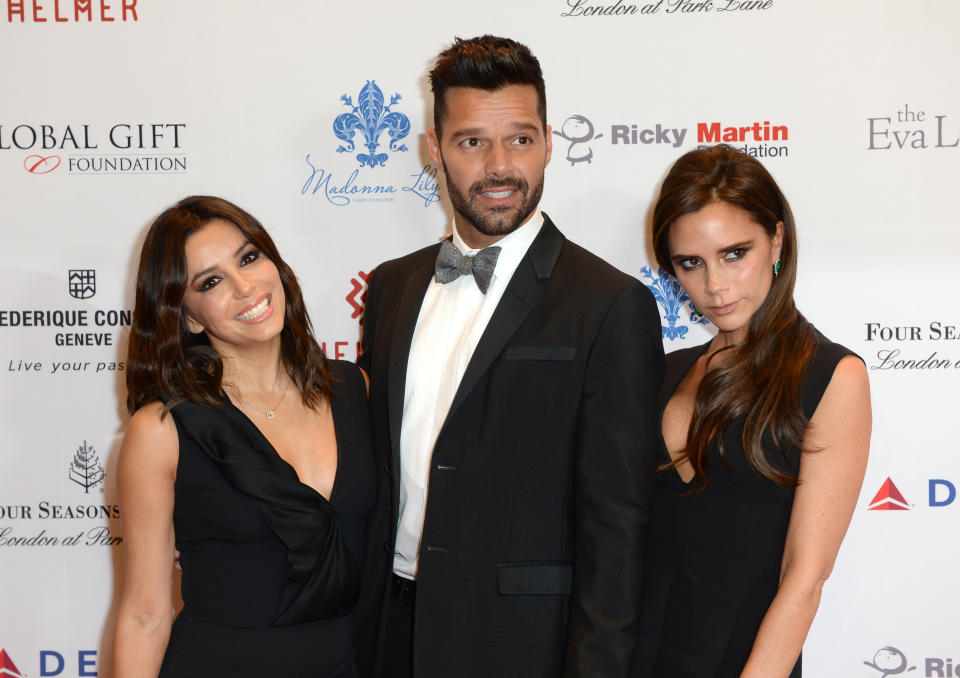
{"points": [[165, 360], [761, 380]]}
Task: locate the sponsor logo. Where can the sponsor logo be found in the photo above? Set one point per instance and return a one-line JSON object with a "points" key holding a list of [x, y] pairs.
{"points": [[910, 129], [358, 295], [39, 164], [672, 297], [371, 118], [753, 136], [7, 668], [122, 148], [903, 357], [361, 133], [582, 134], [889, 661], [578, 130], [618, 8], [940, 492], [888, 498], [70, 11], [85, 468], [82, 282]]}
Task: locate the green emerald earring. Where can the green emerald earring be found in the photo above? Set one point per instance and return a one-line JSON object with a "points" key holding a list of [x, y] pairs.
{"points": [[776, 269]]}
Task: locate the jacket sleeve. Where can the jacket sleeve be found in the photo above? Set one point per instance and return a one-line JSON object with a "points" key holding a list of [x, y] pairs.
{"points": [[613, 482]]}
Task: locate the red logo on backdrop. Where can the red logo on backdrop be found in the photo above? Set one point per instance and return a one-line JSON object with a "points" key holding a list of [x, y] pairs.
{"points": [[358, 295], [888, 498], [7, 667], [66, 11], [38, 164]]}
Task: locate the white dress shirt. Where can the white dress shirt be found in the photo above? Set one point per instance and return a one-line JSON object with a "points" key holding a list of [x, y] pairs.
{"points": [[453, 317]]}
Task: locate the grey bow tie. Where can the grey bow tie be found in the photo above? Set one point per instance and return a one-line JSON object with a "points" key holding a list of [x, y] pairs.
{"points": [[452, 263]]}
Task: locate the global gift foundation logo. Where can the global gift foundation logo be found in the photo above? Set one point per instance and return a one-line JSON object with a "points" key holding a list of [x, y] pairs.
{"points": [[7, 668], [85, 148], [672, 297], [82, 282], [85, 468], [889, 661]]}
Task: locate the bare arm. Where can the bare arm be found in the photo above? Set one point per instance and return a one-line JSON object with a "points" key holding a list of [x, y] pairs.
{"points": [[830, 481], [147, 470]]}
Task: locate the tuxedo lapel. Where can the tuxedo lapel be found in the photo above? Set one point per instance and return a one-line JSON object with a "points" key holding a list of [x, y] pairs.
{"points": [[407, 314], [524, 291]]}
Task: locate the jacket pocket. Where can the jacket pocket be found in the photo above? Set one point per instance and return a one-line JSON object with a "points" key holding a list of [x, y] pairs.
{"points": [[540, 352], [535, 578]]}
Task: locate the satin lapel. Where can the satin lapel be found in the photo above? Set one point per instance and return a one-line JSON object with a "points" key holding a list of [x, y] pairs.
{"points": [[406, 323], [526, 288]]}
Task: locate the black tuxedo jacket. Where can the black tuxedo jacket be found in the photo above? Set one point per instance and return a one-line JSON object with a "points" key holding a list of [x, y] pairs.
{"points": [[536, 515]]}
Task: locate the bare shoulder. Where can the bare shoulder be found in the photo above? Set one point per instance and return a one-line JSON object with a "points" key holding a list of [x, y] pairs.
{"points": [[843, 416], [849, 385], [151, 436]]}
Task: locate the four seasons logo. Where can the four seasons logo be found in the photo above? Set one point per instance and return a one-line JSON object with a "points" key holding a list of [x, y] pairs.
{"points": [[85, 468]]}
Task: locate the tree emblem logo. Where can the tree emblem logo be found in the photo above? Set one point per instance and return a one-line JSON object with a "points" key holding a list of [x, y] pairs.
{"points": [[85, 468], [82, 282], [371, 119], [672, 297]]}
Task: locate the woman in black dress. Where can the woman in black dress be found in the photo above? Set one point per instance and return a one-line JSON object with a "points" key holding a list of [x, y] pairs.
{"points": [[766, 431], [248, 451]]}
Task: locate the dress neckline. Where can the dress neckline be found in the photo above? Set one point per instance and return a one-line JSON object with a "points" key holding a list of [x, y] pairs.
{"points": [[695, 354], [244, 422]]}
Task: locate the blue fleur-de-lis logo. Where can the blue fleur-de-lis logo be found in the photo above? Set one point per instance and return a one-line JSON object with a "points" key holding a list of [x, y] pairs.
{"points": [[672, 297], [371, 118]]}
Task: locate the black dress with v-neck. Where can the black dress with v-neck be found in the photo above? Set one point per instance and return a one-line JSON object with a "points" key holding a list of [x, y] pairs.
{"points": [[271, 568], [713, 557]]}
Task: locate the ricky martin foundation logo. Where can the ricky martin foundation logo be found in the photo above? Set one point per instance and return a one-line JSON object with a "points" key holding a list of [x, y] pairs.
{"points": [[888, 498], [578, 130], [673, 298], [82, 282], [85, 468], [7, 668], [890, 661]]}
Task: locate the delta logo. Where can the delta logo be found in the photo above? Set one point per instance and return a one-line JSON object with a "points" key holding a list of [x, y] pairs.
{"points": [[7, 668], [940, 492]]}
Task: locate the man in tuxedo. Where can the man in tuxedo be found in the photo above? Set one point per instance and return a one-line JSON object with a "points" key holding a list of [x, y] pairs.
{"points": [[513, 380]]}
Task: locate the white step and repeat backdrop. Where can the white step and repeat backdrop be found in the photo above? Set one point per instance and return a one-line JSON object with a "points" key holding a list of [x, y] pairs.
{"points": [[113, 109]]}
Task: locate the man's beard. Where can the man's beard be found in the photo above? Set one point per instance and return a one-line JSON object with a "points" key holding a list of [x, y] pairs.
{"points": [[495, 221]]}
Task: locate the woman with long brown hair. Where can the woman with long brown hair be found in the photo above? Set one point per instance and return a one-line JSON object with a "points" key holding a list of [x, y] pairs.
{"points": [[248, 451], [766, 431]]}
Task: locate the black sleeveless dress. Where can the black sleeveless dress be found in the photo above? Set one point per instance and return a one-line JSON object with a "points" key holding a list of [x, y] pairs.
{"points": [[713, 558], [270, 568]]}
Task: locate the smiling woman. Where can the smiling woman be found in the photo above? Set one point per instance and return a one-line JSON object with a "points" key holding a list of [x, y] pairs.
{"points": [[265, 494]]}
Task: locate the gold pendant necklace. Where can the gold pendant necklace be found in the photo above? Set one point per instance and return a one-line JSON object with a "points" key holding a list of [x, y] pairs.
{"points": [[272, 412]]}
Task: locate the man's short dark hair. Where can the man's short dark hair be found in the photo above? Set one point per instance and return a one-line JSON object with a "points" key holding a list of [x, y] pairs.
{"points": [[487, 62]]}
